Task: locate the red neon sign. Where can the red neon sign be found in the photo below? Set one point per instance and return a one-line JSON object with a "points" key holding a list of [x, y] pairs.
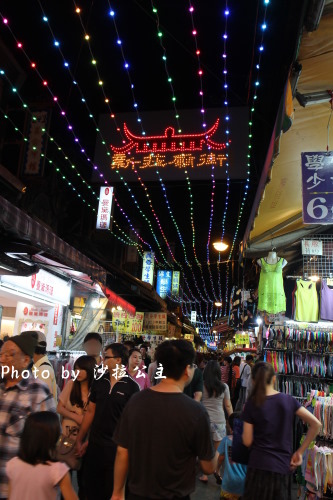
{"points": [[169, 142]]}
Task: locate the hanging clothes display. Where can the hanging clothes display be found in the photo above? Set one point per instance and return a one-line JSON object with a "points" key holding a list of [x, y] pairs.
{"points": [[271, 296], [242, 311], [326, 302], [307, 308]]}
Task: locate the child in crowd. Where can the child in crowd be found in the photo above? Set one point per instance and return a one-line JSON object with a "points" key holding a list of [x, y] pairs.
{"points": [[34, 473], [233, 481]]}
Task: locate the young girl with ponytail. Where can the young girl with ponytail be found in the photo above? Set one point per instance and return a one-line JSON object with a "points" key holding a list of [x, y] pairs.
{"points": [[268, 429]]}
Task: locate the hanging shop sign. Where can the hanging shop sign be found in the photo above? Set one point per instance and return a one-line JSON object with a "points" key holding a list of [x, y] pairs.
{"points": [[175, 283], [317, 187], [312, 247], [163, 283], [104, 207], [122, 322], [42, 285], [194, 149], [242, 338], [148, 267], [154, 339], [193, 317], [34, 162], [189, 336], [155, 322]]}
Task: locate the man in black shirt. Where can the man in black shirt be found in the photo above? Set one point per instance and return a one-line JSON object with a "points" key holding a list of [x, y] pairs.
{"points": [[109, 395], [161, 463], [195, 387]]}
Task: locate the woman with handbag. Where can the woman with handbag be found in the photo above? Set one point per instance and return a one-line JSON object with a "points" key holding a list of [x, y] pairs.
{"points": [[268, 419], [72, 405], [34, 473], [215, 398]]}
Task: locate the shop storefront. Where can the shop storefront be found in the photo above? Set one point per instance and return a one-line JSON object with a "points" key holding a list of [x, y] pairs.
{"points": [[35, 302]]}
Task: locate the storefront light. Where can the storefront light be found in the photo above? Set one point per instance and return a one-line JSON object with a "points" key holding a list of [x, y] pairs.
{"points": [[95, 303], [26, 296], [314, 278], [259, 321]]}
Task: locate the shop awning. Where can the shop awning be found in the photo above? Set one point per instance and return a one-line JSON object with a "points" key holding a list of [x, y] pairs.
{"points": [[17, 222], [276, 218], [117, 301]]}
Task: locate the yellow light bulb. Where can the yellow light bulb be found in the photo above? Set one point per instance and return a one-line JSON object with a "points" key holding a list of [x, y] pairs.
{"points": [[87, 37]]}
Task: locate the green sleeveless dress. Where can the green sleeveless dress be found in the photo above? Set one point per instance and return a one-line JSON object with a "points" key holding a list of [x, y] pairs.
{"points": [[271, 297]]}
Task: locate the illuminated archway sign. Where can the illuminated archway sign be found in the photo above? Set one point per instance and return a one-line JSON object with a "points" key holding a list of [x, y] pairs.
{"points": [[170, 142], [180, 151], [140, 147]]}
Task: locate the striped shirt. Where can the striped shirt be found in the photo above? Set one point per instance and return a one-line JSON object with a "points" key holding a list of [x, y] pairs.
{"points": [[16, 402]]}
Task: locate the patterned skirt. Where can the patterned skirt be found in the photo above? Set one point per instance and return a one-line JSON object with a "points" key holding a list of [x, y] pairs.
{"points": [[267, 485]]}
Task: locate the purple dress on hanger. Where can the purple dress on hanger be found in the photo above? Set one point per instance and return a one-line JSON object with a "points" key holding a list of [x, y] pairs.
{"points": [[326, 303]]}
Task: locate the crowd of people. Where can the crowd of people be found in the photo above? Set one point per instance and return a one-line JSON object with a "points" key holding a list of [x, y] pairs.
{"points": [[137, 425]]}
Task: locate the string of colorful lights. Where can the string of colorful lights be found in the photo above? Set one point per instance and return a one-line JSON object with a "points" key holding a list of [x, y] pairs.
{"points": [[166, 68], [70, 127], [164, 57], [95, 167], [70, 185], [250, 135], [200, 267], [159, 33], [67, 159], [226, 107]]}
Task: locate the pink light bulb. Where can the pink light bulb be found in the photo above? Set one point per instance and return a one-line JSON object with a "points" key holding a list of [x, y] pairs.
{"points": [[19, 45], [194, 32], [5, 21], [55, 98]]}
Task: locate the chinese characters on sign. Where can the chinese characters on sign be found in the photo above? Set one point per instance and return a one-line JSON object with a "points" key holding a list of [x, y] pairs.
{"points": [[121, 161], [104, 208], [193, 317], [317, 186], [155, 322], [175, 282], [148, 267], [163, 284], [122, 322], [312, 247]]}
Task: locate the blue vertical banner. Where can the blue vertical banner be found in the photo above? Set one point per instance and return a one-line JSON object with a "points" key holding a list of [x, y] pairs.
{"points": [[317, 187], [175, 283], [148, 267], [163, 284]]}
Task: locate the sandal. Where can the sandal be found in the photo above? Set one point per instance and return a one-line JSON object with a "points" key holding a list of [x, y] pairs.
{"points": [[203, 480]]}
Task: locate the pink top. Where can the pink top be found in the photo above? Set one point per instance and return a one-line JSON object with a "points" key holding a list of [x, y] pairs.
{"points": [[35, 481], [141, 378]]}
